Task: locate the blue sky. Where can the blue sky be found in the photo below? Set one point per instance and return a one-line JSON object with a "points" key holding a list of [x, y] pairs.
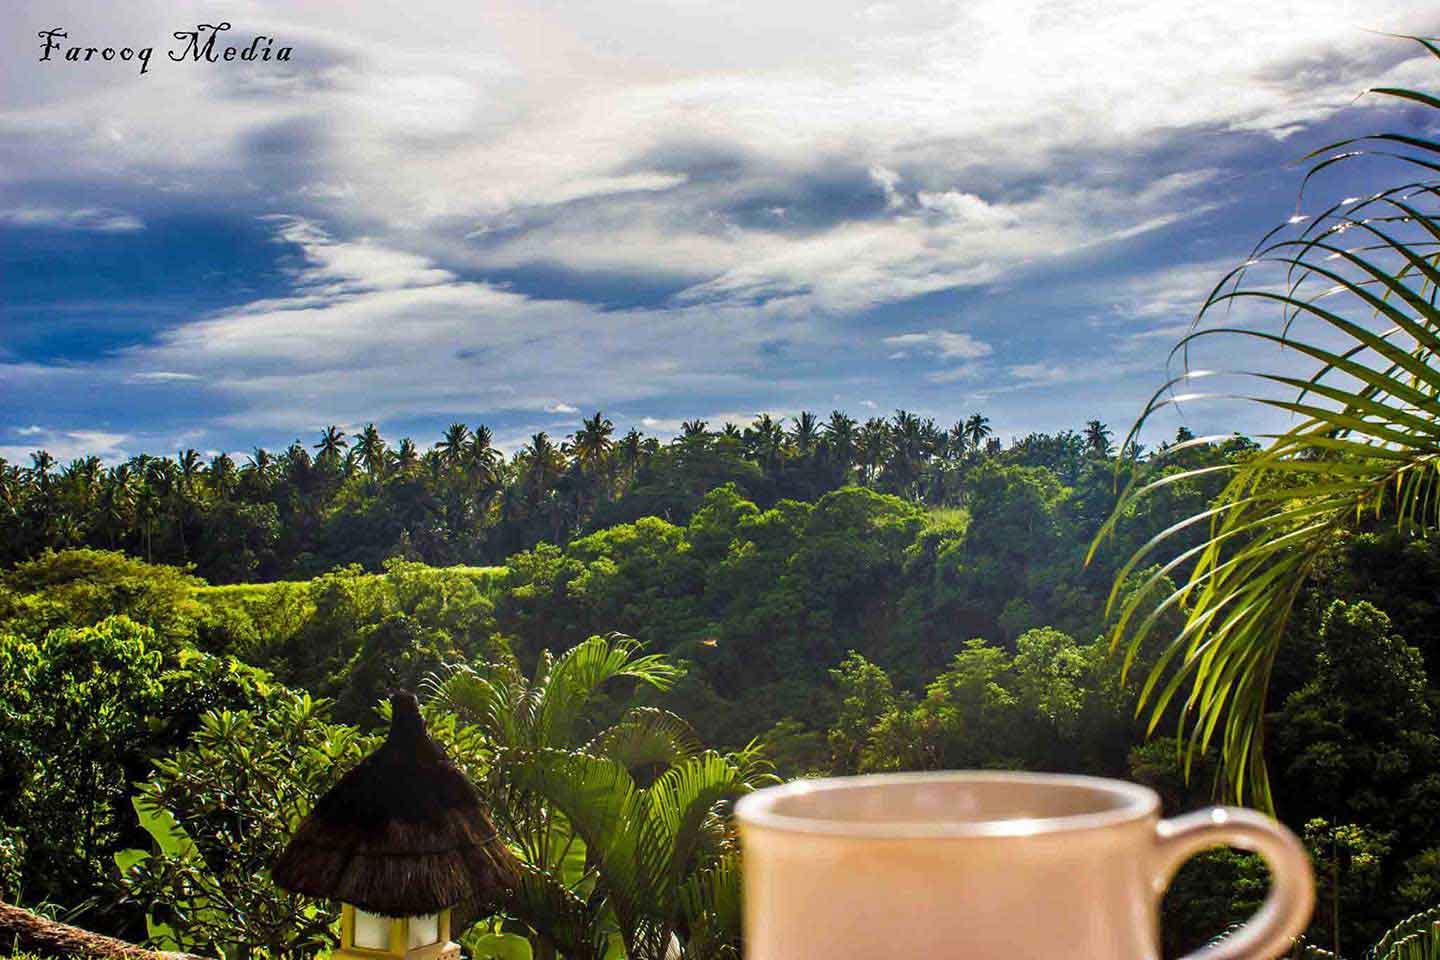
{"points": [[518, 213]]}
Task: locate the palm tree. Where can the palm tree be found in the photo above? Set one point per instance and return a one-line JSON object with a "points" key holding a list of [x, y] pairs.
{"points": [[692, 430], [190, 467], [1355, 289], [977, 428], [256, 474], [907, 452], [544, 463], [957, 442], [41, 463], [435, 466], [593, 444], [805, 433], [765, 442], [482, 457], [407, 458], [840, 439], [222, 475], [616, 828], [1097, 439], [147, 508], [452, 445], [116, 503], [628, 454], [370, 447], [332, 442], [873, 442]]}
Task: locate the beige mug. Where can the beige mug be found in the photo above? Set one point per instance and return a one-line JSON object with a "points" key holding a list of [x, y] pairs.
{"points": [[991, 866]]}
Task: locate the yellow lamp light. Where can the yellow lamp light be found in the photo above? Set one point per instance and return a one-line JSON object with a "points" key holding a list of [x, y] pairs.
{"points": [[370, 936]]}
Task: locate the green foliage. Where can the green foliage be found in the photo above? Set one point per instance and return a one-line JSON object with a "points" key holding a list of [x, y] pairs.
{"points": [[1354, 287], [219, 812], [79, 588], [74, 706], [619, 829], [1349, 863], [990, 708], [1360, 746]]}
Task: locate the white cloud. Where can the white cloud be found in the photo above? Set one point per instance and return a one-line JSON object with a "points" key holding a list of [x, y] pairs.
{"points": [[889, 181], [947, 344], [786, 164], [162, 376], [374, 334], [92, 219], [66, 445], [965, 371], [965, 121], [965, 208]]}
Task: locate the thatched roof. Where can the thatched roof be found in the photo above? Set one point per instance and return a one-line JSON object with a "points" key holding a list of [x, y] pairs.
{"points": [[403, 833]]}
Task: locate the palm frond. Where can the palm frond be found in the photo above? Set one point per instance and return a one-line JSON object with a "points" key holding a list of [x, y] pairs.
{"points": [[557, 914], [578, 674], [1355, 290], [647, 737], [683, 805], [710, 905], [604, 808]]}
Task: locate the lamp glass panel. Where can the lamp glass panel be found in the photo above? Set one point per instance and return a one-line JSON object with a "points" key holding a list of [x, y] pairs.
{"points": [[372, 931], [424, 930]]}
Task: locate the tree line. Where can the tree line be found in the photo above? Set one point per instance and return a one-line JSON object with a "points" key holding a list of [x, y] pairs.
{"points": [[361, 499]]}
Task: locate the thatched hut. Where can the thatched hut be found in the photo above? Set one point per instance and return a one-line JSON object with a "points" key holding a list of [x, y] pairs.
{"points": [[399, 841]]}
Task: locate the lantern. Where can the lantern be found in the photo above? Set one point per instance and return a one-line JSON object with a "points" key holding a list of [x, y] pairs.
{"points": [[400, 841]]}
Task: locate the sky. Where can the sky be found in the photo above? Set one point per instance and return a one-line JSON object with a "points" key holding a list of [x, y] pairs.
{"points": [[520, 213]]}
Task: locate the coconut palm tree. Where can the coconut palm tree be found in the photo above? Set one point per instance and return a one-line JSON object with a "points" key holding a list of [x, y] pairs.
{"points": [[222, 475], [873, 443], [957, 442], [840, 438], [1097, 439], [482, 457], [452, 444], [1355, 287], [370, 447], [543, 465], [332, 443], [765, 442], [977, 428], [41, 463], [115, 505], [805, 433], [629, 453], [592, 446], [908, 452], [407, 458]]}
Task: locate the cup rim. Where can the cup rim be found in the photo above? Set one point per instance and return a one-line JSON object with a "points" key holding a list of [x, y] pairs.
{"points": [[1136, 803]]}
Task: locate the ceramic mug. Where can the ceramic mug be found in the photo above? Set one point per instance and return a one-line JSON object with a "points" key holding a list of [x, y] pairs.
{"points": [[991, 866]]}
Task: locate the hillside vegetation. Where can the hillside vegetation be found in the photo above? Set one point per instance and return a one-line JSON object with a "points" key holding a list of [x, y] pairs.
{"points": [[855, 631]]}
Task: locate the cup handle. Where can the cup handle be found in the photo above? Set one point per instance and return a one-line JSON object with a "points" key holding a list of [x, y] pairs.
{"points": [[1286, 910]]}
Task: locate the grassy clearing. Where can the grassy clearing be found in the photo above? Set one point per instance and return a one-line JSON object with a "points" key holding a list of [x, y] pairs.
{"points": [[242, 591], [955, 518]]}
